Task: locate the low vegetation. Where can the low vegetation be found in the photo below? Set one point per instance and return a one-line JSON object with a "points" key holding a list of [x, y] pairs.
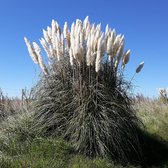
{"points": [[23, 145]]}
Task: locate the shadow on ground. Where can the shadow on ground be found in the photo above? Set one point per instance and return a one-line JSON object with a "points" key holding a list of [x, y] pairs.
{"points": [[154, 149]]}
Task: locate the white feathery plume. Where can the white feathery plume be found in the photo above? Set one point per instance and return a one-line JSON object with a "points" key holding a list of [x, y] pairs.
{"points": [[46, 36], [57, 25], [87, 32], [40, 60], [126, 58], [49, 31], [88, 43], [62, 45], [78, 50], [88, 52], [139, 68], [58, 37], [113, 33], [116, 44], [119, 54], [53, 27], [81, 38], [53, 31], [44, 45], [71, 56], [98, 28], [86, 22], [91, 40], [107, 30], [99, 54], [100, 42], [88, 55], [42, 65], [65, 30], [72, 29], [79, 28], [54, 47], [78, 22], [97, 34], [58, 48], [93, 57], [93, 44], [104, 45], [120, 50], [36, 48], [68, 40], [122, 39], [52, 51], [98, 61], [31, 51], [109, 45], [81, 53]]}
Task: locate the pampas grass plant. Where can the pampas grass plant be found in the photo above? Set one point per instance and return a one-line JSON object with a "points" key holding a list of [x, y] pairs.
{"points": [[83, 96], [163, 95]]}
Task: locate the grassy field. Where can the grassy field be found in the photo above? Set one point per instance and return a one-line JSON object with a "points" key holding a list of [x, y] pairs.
{"points": [[23, 147]]}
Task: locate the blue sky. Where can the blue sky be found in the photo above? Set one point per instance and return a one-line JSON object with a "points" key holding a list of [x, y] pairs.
{"points": [[143, 22]]}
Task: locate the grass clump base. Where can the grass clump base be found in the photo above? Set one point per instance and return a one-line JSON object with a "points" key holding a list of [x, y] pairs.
{"points": [[98, 122]]}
